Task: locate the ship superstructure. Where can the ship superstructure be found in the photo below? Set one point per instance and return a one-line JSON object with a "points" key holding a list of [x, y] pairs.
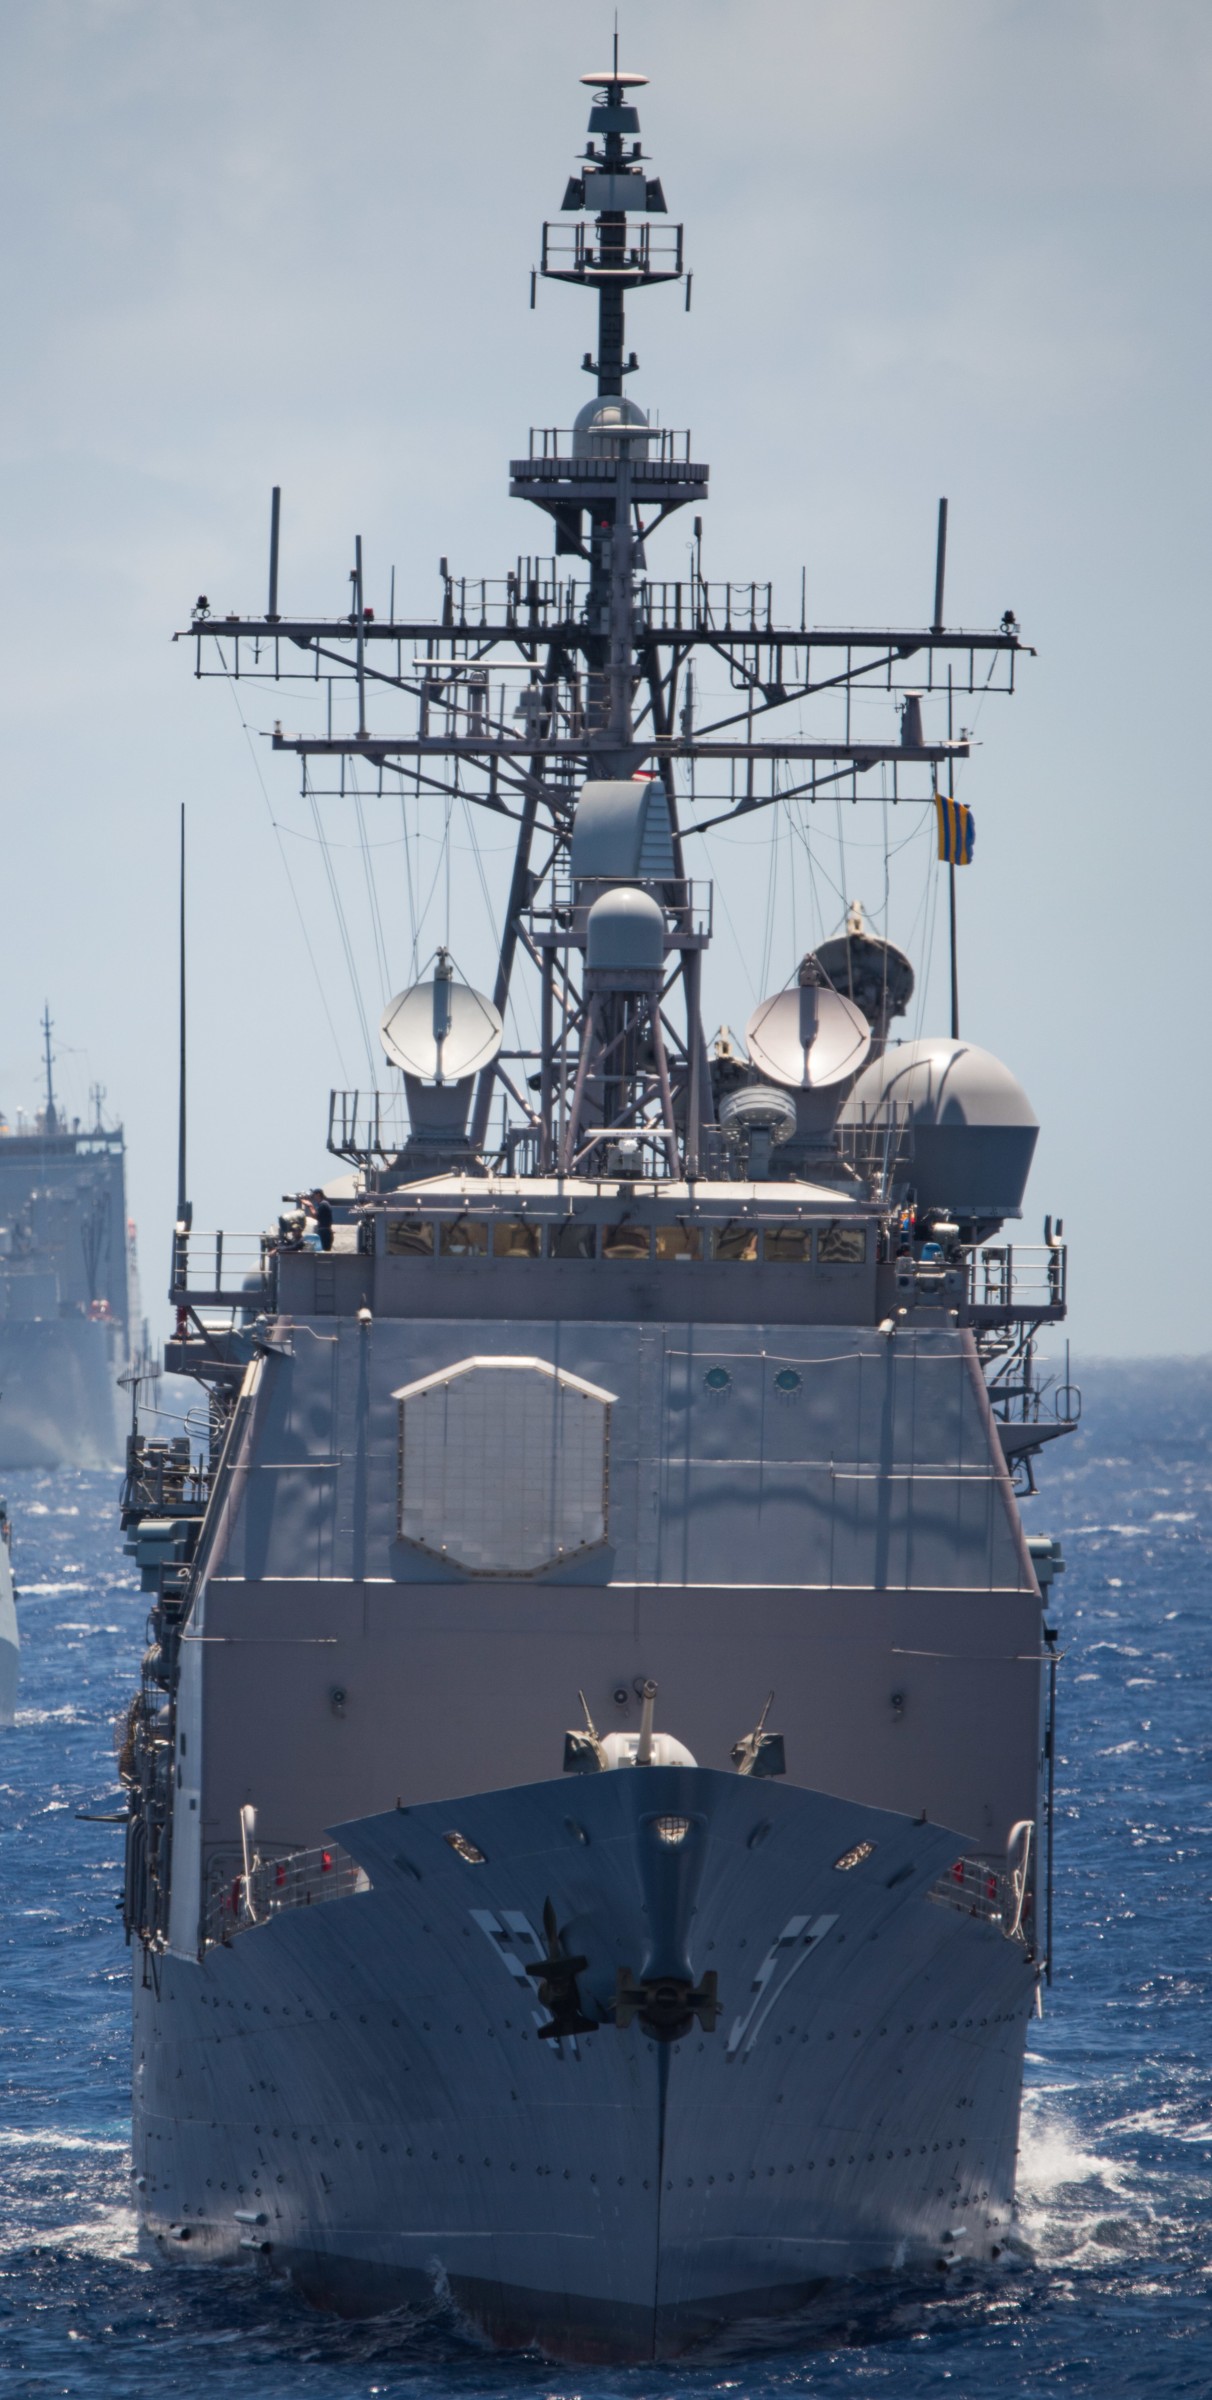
{"points": [[590, 1837], [65, 1284]]}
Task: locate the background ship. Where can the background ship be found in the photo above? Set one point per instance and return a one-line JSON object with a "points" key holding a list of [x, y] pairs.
{"points": [[10, 1637], [708, 1382], [66, 1269]]}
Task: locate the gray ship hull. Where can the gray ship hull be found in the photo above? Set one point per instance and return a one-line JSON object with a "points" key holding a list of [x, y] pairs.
{"points": [[373, 2107], [10, 1641], [59, 1394]]}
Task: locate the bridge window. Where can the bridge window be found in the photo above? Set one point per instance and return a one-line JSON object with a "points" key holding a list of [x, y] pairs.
{"points": [[679, 1241], [467, 1237], [789, 1244], [514, 1238], [626, 1241], [571, 1240], [735, 1242], [842, 1245], [409, 1237]]}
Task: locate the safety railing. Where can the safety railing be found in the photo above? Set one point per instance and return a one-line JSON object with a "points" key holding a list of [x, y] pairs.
{"points": [[535, 590], [713, 607], [653, 252], [653, 445], [973, 1887], [537, 594], [976, 1888], [1016, 1279], [304, 1879], [689, 903], [1003, 1284], [217, 1270], [367, 1127]]}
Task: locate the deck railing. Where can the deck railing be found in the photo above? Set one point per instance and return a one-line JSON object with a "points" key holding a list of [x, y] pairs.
{"points": [[219, 1270], [979, 1890], [304, 1879]]}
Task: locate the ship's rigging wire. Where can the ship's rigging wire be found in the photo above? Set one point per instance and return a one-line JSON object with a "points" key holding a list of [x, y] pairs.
{"points": [[846, 894], [718, 891], [413, 925], [771, 899], [925, 915], [290, 882], [342, 929], [372, 890]]}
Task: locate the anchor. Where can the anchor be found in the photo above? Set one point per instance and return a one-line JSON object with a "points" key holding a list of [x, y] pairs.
{"points": [[556, 1976], [666, 2005]]}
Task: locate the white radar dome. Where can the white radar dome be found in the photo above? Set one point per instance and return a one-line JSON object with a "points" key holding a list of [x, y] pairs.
{"points": [[955, 1121], [605, 428], [625, 934]]}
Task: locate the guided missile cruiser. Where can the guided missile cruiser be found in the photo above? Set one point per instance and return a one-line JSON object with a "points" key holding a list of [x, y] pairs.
{"points": [[589, 1784]]}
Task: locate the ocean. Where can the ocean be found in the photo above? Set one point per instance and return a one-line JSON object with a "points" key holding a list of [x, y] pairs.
{"points": [[1116, 2167]]}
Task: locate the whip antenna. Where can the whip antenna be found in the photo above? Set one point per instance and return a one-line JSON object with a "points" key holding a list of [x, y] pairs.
{"points": [[184, 1211]]}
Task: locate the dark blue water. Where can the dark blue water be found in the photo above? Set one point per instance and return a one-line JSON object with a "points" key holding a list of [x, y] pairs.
{"points": [[1117, 2149]]}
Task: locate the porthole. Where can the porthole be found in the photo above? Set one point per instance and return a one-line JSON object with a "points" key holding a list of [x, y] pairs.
{"points": [[788, 1382], [717, 1379]]}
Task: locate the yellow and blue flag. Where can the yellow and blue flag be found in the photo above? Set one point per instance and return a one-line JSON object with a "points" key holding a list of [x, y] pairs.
{"points": [[956, 831]]}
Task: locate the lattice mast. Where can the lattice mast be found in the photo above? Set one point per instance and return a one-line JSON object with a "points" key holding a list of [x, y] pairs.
{"points": [[602, 658]]}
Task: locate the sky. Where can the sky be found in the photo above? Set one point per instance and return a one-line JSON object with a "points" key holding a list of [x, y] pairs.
{"points": [[939, 247]]}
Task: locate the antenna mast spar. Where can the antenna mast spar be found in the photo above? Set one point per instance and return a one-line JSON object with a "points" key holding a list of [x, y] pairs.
{"points": [[184, 1211], [51, 1118], [576, 669]]}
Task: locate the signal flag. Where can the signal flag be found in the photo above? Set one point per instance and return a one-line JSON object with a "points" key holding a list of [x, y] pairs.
{"points": [[956, 831]]}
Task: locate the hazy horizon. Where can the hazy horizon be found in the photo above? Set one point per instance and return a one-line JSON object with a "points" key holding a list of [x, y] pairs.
{"points": [[956, 247]]}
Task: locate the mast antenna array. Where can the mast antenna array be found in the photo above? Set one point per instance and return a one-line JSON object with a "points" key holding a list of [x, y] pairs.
{"points": [[581, 664]]}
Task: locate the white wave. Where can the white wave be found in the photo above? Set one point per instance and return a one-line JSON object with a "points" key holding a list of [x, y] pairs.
{"points": [[112, 2234], [50, 1716], [14, 2137], [1053, 2159], [49, 1591]]}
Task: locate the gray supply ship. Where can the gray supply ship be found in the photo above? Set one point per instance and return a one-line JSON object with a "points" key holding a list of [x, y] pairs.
{"points": [[66, 1258], [10, 1634], [589, 1855]]}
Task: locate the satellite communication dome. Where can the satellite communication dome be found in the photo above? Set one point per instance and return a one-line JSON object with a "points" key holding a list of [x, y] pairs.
{"points": [[602, 429], [955, 1121], [808, 1037], [625, 935], [440, 1031]]}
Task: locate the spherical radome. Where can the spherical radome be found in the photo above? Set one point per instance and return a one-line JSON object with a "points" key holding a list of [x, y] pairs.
{"points": [[963, 1129]]}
